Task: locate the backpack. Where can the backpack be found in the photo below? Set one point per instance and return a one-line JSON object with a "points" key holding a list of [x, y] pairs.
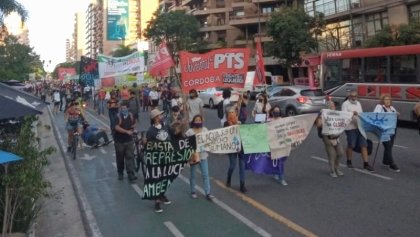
{"points": [[220, 112]]}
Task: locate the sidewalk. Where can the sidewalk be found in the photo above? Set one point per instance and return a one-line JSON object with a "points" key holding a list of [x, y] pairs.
{"points": [[60, 214]]}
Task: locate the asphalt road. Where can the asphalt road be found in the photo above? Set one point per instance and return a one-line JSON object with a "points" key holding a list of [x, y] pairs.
{"points": [[383, 203]]}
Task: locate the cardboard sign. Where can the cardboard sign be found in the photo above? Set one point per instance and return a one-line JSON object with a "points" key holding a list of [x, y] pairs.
{"points": [[222, 140]]}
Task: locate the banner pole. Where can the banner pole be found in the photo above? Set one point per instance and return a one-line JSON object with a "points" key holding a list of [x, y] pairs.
{"points": [[376, 153]]}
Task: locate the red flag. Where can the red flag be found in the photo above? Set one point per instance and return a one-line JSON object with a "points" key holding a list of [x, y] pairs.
{"points": [[259, 65], [162, 61]]}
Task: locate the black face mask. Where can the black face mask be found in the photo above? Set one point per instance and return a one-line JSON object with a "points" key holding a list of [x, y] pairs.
{"points": [[276, 114]]}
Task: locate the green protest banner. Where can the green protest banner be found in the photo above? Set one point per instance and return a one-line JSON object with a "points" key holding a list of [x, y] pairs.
{"points": [[254, 138]]}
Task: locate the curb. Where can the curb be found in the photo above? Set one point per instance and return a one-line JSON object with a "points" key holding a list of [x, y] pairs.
{"points": [[88, 219]]}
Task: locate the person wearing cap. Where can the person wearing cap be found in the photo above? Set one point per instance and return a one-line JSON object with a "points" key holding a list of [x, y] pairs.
{"points": [[92, 135], [124, 143], [158, 132]]}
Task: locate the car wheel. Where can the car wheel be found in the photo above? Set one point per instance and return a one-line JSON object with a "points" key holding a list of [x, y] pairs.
{"points": [[290, 112], [211, 104]]}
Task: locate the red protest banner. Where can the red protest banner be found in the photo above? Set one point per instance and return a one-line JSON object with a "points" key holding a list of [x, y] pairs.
{"points": [[162, 61], [259, 65], [217, 68]]}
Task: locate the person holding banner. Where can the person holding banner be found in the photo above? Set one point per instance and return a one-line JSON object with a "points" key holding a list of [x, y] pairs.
{"points": [[196, 126], [232, 119], [158, 132], [385, 105], [354, 137], [261, 109], [275, 114], [332, 146]]}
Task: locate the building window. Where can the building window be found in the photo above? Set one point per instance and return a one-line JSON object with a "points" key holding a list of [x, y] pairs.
{"points": [[376, 22], [415, 13], [267, 10], [329, 7]]}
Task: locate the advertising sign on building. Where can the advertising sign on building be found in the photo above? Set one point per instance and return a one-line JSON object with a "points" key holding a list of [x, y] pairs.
{"points": [[66, 72], [217, 68], [117, 19]]}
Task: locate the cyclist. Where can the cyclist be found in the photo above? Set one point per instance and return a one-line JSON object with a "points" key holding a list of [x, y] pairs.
{"points": [[74, 118]]}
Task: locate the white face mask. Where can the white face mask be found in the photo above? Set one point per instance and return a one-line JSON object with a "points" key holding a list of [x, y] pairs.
{"points": [[159, 126]]}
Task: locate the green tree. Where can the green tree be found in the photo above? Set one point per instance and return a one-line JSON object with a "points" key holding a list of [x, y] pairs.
{"points": [[177, 28], [17, 60], [9, 6], [293, 33], [404, 34], [122, 51]]}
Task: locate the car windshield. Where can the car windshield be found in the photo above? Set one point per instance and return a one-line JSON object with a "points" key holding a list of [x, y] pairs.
{"points": [[313, 92]]}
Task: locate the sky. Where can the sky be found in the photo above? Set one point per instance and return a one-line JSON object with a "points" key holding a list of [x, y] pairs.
{"points": [[50, 23]]}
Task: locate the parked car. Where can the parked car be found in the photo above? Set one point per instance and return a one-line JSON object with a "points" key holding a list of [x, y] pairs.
{"points": [[212, 96], [257, 90], [295, 100]]}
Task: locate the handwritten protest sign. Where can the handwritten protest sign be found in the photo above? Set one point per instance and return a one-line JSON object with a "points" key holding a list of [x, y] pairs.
{"points": [[287, 133], [222, 140], [254, 138], [164, 162], [335, 122]]}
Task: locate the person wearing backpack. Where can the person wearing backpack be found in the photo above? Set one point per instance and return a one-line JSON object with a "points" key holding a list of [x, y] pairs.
{"points": [[124, 143]]}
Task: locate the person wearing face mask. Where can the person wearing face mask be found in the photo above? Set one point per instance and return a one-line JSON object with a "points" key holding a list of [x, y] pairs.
{"points": [[194, 105], [158, 132], [275, 114], [124, 143], [196, 126], [261, 107], [385, 105], [354, 137]]}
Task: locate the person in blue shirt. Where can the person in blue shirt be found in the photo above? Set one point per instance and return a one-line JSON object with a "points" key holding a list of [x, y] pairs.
{"points": [[92, 135]]}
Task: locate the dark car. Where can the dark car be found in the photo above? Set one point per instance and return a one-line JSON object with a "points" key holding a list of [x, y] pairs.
{"points": [[294, 100]]}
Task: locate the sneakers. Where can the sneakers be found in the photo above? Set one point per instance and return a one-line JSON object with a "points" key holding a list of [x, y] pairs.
{"points": [[158, 209], [194, 195], [394, 168], [165, 200], [283, 182], [349, 164], [209, 197], [107, 143], [333, 175], [368, 168], [339, 173]]}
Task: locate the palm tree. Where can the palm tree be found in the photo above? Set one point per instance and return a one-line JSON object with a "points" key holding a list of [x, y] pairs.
{"points": [[122, 51], [9, 6]]}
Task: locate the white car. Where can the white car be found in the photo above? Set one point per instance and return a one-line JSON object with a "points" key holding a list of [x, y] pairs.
{"points": [[212, 96]]}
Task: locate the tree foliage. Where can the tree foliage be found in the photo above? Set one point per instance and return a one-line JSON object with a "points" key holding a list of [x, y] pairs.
{"points": [[404, 34], [293, 33], [18, 60], [122, 51], [9, 6], [177, 28], [24, 183]]}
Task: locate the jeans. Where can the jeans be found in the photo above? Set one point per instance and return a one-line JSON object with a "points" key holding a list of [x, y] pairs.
{"points": [[101, 106], [124, 153], [94, 139], [112, 119], [388, 145], [204, 167], [232, 165]]}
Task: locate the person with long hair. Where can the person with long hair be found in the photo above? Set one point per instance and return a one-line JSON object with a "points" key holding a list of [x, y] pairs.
{"points": [[385, 105], [196, 127], [262, 106], [275, 114]]}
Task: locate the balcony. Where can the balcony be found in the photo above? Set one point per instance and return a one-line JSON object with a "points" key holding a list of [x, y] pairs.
{"points": [[241, 3], [185, 2], [243, 42], [215, 27], [207, 11], [247, 19], [265, 1]]}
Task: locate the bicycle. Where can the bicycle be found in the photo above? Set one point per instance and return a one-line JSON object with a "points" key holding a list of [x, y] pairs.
{"points": [[139, 151]]}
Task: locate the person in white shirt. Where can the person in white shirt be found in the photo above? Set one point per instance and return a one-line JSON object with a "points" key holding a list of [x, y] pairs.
{"points": [[385, 105], [354, 137], [154, 97], [194, 105], [262, 107], [56, 99]]}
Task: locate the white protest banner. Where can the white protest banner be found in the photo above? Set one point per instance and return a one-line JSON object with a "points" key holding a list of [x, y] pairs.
{"points": [[287, 133], [334, 122], [111, 67], [222, 140]]}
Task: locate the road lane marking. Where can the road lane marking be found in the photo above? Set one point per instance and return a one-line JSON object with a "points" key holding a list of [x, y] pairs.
{"points": [[137, 189], [272, 214], [231, 211], [395, 145], [102, 150], [355, 169], [172, 228]]}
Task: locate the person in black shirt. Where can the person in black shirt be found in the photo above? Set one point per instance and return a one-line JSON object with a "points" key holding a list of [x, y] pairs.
{"points": [[124, 143]]}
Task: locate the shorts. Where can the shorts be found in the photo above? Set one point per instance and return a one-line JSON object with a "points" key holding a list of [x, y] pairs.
{"points": [[72, 126], [57, 103], [355, 138]]}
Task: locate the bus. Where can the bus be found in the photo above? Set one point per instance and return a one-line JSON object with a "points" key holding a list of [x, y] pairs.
{"points": [[371, 72]]}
